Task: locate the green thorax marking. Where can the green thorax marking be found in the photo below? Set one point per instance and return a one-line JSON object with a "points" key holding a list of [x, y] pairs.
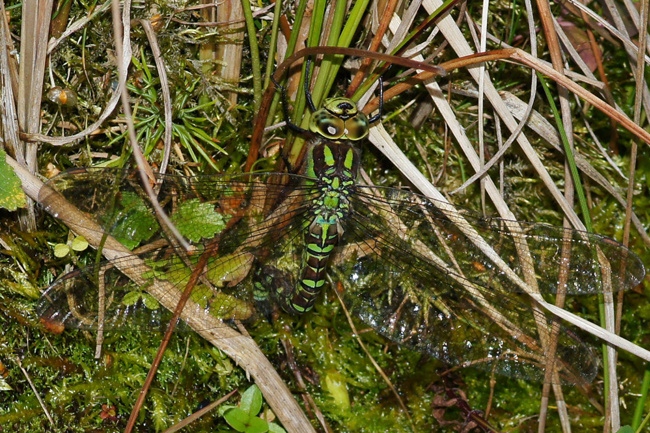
{"points": [[332, 166]]}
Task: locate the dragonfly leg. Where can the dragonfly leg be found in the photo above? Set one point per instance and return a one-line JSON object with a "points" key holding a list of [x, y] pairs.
{"points": [[285, 109]]}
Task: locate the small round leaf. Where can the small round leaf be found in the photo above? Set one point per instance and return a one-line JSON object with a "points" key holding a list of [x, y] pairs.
{"points": [[61, 250], [150, 302], [79, 243], [131, 298]]}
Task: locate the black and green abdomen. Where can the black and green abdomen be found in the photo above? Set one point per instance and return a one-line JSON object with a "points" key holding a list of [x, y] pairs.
{"points": [[335, 166], [332, 166]]}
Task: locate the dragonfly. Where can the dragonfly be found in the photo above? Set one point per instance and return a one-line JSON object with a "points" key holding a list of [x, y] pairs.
{"points": [[410, 266]]}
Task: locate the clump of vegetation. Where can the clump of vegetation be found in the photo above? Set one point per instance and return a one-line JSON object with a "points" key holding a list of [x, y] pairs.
{"points": [[199, 85]]}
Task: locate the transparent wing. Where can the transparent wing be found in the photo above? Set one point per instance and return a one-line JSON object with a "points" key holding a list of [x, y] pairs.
{"points": [[413, 271], [419, 279], [114, 294], [523, 246]]}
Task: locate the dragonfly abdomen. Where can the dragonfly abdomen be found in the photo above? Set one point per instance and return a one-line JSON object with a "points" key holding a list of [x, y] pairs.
{"points": [[320, 240], [334, 167]]}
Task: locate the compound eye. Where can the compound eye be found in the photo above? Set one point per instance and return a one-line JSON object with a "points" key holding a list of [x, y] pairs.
{"points": [[327, 125], [357, 127]]}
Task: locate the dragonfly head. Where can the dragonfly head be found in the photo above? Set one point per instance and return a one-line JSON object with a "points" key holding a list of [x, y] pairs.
{"points": [[339, 120]]}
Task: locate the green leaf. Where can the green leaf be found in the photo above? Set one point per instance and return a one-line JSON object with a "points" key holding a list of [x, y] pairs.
{"points": [[149, 301], [12, 195], [251, 400], [230, 269], [274, 428], [134, 222], [625, 429], [21, 284], [4, 386], [196, 220], [159, 412], [244, 422], [61, 250], [79, 243], [131, 298], [257, 425], [172, 269], [237, 419], [222, 305], [223, 409], [335, 384]]}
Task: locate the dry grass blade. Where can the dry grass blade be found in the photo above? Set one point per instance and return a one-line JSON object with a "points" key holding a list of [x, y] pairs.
{"points": [[544, 129], [33, 53], [8, 116], [36, 393], [229, 51], [461, 47], [563, 95], [164, 87]]}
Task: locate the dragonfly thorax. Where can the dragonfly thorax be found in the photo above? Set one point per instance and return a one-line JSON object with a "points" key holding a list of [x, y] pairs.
{"points": [[326, 159], [333, 168]]}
